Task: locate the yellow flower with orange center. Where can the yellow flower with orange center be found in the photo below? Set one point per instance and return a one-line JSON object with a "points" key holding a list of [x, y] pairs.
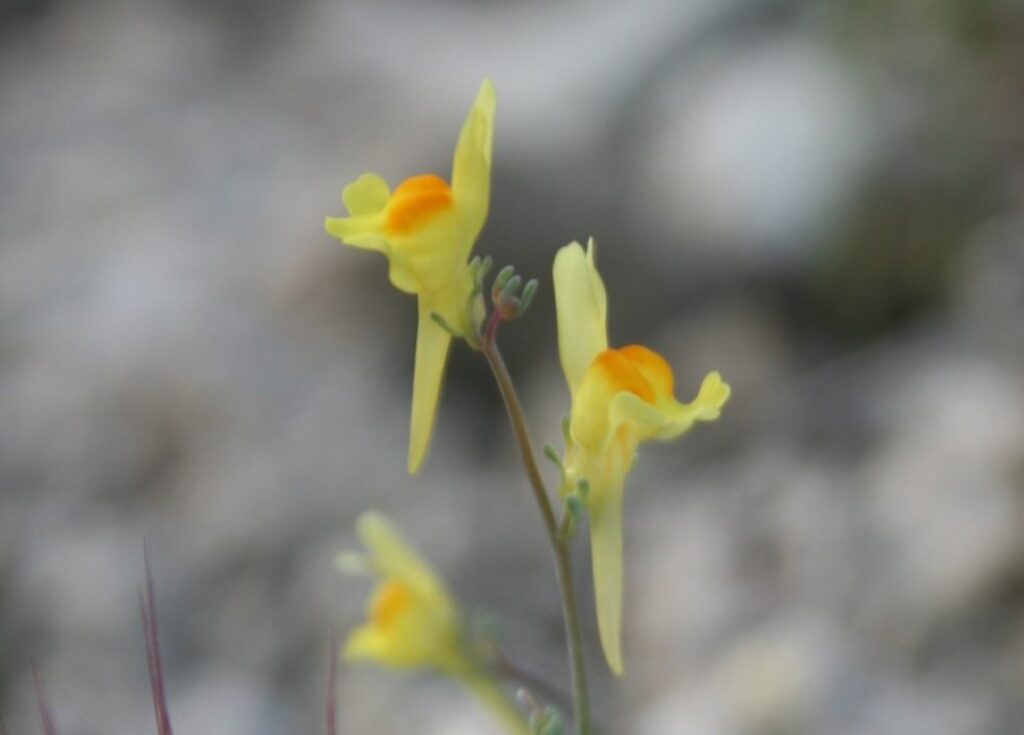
{"points": [[411, 619], [412, 622], [427, 229], [620, 399]]}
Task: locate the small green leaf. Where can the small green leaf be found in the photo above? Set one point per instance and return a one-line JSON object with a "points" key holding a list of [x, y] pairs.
{"points": [[529, 290], [500, 280], [511, 286], [443, 323], [551, 453], [485, 267]]}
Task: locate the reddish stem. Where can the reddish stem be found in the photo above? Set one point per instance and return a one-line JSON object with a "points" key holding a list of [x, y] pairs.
{"points": [[147, 606], [493, 322], [45, 715]]}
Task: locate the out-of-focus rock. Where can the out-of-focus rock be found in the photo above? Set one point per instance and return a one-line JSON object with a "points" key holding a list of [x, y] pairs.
{"points": [[757, 158], [944, 499], [990, 296]]}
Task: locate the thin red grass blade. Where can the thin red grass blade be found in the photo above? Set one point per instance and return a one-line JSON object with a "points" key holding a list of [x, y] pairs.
{"points": [[332, 687], [45, 716], [147, 606]]}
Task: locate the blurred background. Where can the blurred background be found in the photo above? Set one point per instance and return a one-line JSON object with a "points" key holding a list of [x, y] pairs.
{"points": [[822, 200]]}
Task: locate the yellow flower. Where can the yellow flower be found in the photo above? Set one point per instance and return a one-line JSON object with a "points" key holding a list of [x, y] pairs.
{"points": [[620, 399], [411, 620], [426, 229]]}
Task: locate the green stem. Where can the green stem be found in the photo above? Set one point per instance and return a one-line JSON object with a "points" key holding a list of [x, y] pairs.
{"points": [[563, 562]]}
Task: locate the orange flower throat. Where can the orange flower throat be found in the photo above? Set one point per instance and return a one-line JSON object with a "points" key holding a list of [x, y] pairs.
{"points": [[415, 201], [391, 600], [638, 370]]}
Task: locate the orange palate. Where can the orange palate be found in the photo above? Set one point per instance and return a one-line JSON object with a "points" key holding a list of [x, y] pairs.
{"points": [[653, 367], [638, 370], [391, 600], [415, 201], [622, 374]]}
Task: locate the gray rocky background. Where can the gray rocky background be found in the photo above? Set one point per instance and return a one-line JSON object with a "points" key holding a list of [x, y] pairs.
{"points": [[823, 200]]}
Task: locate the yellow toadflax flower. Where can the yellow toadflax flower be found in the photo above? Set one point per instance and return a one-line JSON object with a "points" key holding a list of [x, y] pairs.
{"points": [[426, 229], [412, 621], [620, 399]]}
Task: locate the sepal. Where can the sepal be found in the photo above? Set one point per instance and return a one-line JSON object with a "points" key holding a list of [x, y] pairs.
{"points": [[575, 509], [552, 454]]}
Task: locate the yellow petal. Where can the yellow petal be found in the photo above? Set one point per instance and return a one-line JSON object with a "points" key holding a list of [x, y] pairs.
{"points": [[366, 643], [427, 258], [606, 553], [432, 344], [366, 195], [626, 406], [365, 199], [411, 642], [471, 168], [581, 306], [390, 556], [713, 394], [361, 232]]}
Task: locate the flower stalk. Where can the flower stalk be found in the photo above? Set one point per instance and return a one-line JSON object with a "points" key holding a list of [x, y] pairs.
{"points": [[559, 543]]}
